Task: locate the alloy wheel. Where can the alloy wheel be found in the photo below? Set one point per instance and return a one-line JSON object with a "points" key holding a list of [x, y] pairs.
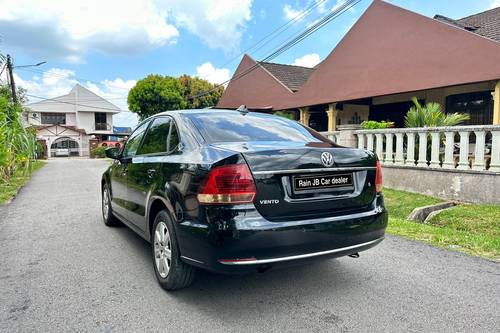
{"points": [[162, 249], [105, 203]]}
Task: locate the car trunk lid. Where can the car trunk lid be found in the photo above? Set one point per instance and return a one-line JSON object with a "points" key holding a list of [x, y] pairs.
{"points": [[293, 182]]}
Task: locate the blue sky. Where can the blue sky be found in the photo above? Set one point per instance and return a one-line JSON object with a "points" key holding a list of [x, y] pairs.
{"points": [[107, 45]]}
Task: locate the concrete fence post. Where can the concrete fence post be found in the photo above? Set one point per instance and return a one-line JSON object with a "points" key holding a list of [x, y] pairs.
{"points": [[479, 152], [495, 151], [347, 135], [399, 159], [449, 146], [463, 163]]}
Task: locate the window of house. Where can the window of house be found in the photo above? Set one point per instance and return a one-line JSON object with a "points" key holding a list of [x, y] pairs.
{"points": [[155, 140], [478, 105], [53, 118], [134, 140], [100, 121]]}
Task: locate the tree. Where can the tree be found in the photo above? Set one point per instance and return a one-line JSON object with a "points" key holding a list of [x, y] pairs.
{"points": [[193, 86], [154, 94], [431, 115]]}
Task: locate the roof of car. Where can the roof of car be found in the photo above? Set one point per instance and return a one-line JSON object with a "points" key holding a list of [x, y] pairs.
{"points": [[205, 111]]}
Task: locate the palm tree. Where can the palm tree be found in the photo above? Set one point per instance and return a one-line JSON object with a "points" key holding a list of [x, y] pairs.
{"points": [[431, 115]]}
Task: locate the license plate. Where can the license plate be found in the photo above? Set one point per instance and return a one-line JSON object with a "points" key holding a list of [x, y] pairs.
{"points": [[319, 182]]}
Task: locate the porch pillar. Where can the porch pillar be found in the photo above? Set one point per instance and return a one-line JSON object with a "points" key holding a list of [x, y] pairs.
{"points": [[332, 117], [496, 104], [304, 115]]}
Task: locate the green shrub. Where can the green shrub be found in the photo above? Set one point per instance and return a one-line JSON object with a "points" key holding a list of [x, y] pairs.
{"points": [[372, 124], [284, 114], [17, 143], [99, 152]]}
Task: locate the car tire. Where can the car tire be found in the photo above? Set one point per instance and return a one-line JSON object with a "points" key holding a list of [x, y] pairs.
{"points": [[172, 273], [107, 213]]}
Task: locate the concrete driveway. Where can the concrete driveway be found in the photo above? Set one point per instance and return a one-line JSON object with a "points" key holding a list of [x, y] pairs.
{"points": [[61, 269]]}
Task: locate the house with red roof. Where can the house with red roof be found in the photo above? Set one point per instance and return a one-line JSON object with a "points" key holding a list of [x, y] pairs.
{"points": [[389, 56]]}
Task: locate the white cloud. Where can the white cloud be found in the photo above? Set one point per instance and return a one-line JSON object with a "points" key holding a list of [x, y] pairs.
{"points": [[308, 60], [495, 4], [219, 23], [66, 30], [208, 72], [291, 13]]}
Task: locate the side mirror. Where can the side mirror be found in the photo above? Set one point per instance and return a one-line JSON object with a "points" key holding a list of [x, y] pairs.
{"points": [[113, 153]]}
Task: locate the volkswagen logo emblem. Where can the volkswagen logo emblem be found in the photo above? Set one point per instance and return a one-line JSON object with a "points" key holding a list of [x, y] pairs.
{"points": [[327, 159]]}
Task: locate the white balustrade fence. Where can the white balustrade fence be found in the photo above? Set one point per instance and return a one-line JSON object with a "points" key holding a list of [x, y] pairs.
{"points": [[460, 147], [333, 136], [457, 147]]}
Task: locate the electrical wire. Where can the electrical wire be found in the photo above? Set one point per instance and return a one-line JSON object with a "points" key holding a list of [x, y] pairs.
{"points": [[290, 43], [278, 30], [278, 51]]}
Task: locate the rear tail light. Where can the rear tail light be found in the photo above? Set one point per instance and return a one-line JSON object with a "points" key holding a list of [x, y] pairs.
{"points": [[228, 184], [378, 178]]}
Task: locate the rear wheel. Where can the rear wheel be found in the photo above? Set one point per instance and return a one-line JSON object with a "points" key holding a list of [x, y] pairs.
{"points": [[172, 273], [107, 214]]}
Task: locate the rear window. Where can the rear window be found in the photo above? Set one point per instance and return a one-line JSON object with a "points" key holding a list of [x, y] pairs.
{"points": [[235, 127]]}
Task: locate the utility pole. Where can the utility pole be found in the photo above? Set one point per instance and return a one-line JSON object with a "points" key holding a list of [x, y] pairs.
{"points": [[11, 78]]}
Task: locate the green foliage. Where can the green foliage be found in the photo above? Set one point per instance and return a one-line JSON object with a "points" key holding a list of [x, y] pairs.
{"points": [[287, 115], [372, 124], [99, 152], [469, 228], [157, 93], [193, 86], [17, 143], [154, 94], [432, 115]]}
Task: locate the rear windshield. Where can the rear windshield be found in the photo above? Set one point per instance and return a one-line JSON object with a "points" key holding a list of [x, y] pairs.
{"points": [[230, 126]]}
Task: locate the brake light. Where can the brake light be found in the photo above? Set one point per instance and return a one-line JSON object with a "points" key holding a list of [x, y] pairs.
{"points": [[228, 184], [378, 177]]}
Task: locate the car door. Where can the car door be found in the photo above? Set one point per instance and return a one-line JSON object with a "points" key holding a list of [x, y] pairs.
{"points": [[119, 174], [143, 169]]}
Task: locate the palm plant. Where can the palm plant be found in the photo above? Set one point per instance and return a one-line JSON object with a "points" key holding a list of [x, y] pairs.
{"points": [[432, 115]]}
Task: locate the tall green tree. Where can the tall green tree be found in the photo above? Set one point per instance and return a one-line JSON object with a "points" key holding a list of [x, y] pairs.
{"points": [[193, 86], [154, 94], [431, 115]]}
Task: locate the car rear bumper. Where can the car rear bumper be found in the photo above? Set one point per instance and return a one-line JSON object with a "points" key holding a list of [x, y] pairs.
{"points": [[245, 241]]}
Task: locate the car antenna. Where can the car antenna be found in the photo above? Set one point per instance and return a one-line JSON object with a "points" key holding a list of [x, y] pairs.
{"points": [[242, 109]]}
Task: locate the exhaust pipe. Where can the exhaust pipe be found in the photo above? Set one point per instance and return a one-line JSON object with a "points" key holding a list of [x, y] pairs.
{"points": [[354, 255]]}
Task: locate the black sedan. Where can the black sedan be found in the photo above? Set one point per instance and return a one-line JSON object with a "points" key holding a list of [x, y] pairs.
{"points": [[237, 191]]}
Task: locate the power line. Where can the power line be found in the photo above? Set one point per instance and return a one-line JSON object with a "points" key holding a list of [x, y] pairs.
{"points": [[62, 76], [278, 30], [275, 32], [290, 43]]}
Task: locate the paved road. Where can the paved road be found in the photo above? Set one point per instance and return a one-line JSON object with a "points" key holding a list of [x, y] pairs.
{"points": [[61, 269]]}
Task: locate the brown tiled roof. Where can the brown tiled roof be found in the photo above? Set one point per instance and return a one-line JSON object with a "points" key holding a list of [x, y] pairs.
{"points": [[389, 50], [291, 76], [486, 23]]}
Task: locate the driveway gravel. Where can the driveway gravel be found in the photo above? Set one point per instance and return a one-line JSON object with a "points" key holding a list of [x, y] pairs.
{"points": [[61, 269]]}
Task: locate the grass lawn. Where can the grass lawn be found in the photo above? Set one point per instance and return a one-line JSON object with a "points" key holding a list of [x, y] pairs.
{"points": [[469, 228], [10, 189]]}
